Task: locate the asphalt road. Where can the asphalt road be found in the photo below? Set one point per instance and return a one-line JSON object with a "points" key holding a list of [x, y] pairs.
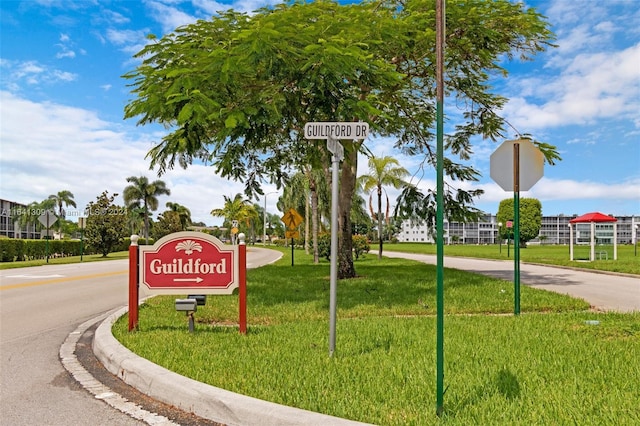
{"points": [[39, 308], [607, 292]]}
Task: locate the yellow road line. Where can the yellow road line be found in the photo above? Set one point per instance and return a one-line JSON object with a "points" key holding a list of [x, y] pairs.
{"points": [[61, 280]]}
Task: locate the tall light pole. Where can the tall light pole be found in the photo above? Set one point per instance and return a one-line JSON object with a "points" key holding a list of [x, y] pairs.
{"points": [[500, 236], [264, 218], [635, 239]]}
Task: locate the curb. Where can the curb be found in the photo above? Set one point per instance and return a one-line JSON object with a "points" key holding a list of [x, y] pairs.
{"points": [[70, 362], [203, 400]]}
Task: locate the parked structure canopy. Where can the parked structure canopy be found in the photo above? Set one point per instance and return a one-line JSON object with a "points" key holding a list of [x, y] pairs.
{"points": [[593, 218]]}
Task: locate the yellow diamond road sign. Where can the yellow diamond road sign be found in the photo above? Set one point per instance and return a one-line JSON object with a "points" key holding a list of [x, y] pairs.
{"points": [[292, 219], [291, 234]]}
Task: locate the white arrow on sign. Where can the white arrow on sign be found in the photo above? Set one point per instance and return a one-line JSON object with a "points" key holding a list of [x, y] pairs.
{"points": [[197, 280]]}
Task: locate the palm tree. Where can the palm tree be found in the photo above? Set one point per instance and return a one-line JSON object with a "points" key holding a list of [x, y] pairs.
{"points": [[236, 208], [383, 171], [183, 213], [142, 193], [28, 217], [62, 199]]}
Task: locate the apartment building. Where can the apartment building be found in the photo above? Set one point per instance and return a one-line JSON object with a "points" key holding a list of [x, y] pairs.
{"points": [[553, 230], [10, 224]]}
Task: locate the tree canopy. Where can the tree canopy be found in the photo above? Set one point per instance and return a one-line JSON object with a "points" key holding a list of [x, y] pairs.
{"points": [[106, 223], [530, 218], [142, 194], [236, 90]]}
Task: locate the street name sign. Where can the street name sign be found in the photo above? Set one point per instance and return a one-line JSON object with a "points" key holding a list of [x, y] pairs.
{"points": [[336, 130]]}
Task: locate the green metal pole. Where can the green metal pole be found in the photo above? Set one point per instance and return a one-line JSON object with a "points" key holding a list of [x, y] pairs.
{"points": [[440, 37], [516, 237]]}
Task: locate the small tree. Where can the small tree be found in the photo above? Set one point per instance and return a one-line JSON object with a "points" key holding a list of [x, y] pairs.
{"points": [[530, 218], [144, 194], [383, 171], [106, 223], [168, 223]]}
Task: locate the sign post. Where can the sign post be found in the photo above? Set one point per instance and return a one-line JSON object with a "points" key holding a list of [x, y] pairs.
{"points": [[134, 283], [516, 165], [82, 224], [333, 132]]}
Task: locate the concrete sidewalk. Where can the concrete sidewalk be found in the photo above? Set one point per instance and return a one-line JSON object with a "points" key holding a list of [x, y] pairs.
{"points": [[607, 292]]}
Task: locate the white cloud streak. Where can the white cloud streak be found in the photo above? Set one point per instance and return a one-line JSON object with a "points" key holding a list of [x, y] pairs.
{"points": [[79, 152]]}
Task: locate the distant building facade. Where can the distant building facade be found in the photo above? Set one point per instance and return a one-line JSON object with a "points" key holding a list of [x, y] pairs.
{"points": [[10, 224], [553, 230]]}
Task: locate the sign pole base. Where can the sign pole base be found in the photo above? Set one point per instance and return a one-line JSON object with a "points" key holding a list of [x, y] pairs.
{"points": [[133, 283]]}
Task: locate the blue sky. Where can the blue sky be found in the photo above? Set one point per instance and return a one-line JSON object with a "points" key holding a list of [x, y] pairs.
{"points": [[62, 100]]}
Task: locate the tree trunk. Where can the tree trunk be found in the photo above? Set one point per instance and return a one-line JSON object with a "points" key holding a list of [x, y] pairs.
{"points": [[380, 222], [307, 209], [348, 173], [314, 217]]}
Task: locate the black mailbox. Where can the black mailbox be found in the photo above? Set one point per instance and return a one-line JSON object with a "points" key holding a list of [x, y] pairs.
{"points": [[201, 299]]}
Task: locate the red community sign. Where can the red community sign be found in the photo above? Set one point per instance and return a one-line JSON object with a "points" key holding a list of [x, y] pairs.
{"points": [[189, 262]]}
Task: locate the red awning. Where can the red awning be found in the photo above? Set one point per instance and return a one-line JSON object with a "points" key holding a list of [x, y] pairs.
{"points": [[593, 217]]}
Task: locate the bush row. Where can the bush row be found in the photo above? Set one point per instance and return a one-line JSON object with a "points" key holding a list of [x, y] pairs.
{"points": [[360, 245], [16, 250]]}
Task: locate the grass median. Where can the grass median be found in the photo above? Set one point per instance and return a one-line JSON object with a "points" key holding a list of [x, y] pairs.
{"points": [[551, 365], [628, 257]]}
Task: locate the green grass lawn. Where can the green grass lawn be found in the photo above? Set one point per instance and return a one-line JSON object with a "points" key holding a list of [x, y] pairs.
{"points": [[628, 259], [549, 365]]}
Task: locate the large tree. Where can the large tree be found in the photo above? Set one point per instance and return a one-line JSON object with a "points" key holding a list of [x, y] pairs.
{"points": [[237, 90], [383, 171], [144, 194]]}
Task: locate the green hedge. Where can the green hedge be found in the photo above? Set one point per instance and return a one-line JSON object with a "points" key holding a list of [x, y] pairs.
{"points": [[16, 250]]}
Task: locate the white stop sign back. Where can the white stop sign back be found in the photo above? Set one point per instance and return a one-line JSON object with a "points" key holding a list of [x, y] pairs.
{"points": [[531, 165]]}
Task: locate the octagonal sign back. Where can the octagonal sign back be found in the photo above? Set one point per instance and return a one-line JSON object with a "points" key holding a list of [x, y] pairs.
{"points": [[531, 165]]}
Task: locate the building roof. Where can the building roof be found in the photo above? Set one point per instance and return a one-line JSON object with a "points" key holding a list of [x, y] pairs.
{"points": [[593, 217]]}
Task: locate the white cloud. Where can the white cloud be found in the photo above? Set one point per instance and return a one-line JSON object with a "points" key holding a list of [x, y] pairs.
{"points": [[17, 73], [66, 54], [592, 86], [79, 152], [169, 17]]}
